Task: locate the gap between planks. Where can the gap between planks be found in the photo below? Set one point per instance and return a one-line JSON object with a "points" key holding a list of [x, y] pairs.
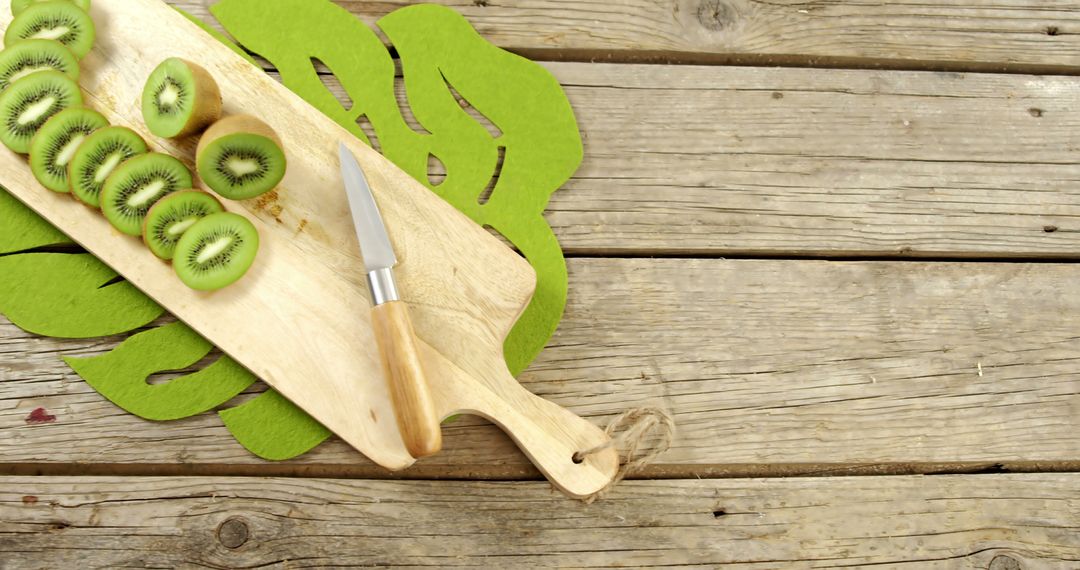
{"points": [[525, 472]]}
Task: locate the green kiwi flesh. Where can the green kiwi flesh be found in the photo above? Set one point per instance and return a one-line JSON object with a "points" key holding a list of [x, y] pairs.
{"points": [[97, 157], [20, 5], [216, 251], [173, 215], [55, 20], [27, 103], [30, 56], [136, 185], [240, 157], [54, 145], [180, 98]]}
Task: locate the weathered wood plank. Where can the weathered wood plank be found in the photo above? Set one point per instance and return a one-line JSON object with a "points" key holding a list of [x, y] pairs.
{"points": [[743, 160], [972, 521], [766, 362], [1000, 34], [683, 160]]}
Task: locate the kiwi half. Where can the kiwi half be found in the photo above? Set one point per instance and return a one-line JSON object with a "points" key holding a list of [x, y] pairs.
{"points": [[53, 147], [55, 20], [136, 185], [97, 157], [172, 216], [240, 157], [27, 103], [216, 251], [29, 56], [180, 98], [20, 5]]}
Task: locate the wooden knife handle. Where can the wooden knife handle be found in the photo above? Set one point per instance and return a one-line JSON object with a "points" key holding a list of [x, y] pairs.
{"points": [[413, 406]]}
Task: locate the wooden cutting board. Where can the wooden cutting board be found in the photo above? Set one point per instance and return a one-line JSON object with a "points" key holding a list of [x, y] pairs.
{"points": [[300, 318]]}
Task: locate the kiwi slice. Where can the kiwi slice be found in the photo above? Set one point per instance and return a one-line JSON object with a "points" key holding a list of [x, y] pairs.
{"points": [[27, 103], [179, 99], [138, 183], [97, 157], [55, 20], [240, 157], [29, 56], [172, 216], [216, 251], [53, 147], [20, 5]]}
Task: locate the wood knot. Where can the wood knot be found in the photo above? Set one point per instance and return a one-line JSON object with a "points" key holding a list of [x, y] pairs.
{"points": [[233, 533], [1003, 562], [715, 15]]}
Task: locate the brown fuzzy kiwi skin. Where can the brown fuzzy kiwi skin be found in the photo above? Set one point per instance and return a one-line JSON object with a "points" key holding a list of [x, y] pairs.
{"points": [[184, 191], [207, 101], [236, 124]]}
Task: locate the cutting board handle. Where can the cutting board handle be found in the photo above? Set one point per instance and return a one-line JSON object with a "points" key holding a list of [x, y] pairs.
{"points": [[550, 435], [553, 437]]}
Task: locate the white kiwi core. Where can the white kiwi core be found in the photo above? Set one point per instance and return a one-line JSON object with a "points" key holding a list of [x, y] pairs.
{"points": [[214, 249], [35, 111]]}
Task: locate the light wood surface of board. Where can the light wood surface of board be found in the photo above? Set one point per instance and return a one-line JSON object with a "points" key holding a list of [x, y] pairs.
{"points": [[975, 34], [300, 318], [765, 362], [1000, 522]]}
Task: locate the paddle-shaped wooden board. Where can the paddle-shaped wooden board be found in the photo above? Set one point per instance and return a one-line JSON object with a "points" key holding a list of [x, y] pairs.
{"points": [[300, 318]]}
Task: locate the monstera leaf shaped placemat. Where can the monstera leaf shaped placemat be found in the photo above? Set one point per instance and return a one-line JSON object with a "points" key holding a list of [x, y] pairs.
{"points": [[500, 175]]}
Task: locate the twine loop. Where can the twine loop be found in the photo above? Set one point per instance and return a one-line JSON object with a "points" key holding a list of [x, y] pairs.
{"points": [[643, 434]]}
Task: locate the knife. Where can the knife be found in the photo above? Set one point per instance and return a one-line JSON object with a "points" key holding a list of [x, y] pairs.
{"points": [[413, 407]]}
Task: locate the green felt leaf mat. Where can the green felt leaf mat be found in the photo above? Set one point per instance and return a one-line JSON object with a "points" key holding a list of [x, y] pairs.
{"points": [[501, 175]]}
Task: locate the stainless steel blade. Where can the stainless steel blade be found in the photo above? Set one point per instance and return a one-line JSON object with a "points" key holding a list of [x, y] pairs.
{"points": [[374, 241]]}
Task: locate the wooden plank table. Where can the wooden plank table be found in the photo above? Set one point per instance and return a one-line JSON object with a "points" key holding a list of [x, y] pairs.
{"points": [[850, 278]]}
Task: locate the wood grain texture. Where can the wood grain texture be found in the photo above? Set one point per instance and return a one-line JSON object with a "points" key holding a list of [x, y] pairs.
{"points": [[414, 409], [981, 521], [300, 319], [696, 160], [991, 35], [685, 160], [766, 362]]}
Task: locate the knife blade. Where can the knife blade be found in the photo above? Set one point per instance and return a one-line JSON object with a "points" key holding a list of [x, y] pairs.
{"points": [[414, 409]]}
